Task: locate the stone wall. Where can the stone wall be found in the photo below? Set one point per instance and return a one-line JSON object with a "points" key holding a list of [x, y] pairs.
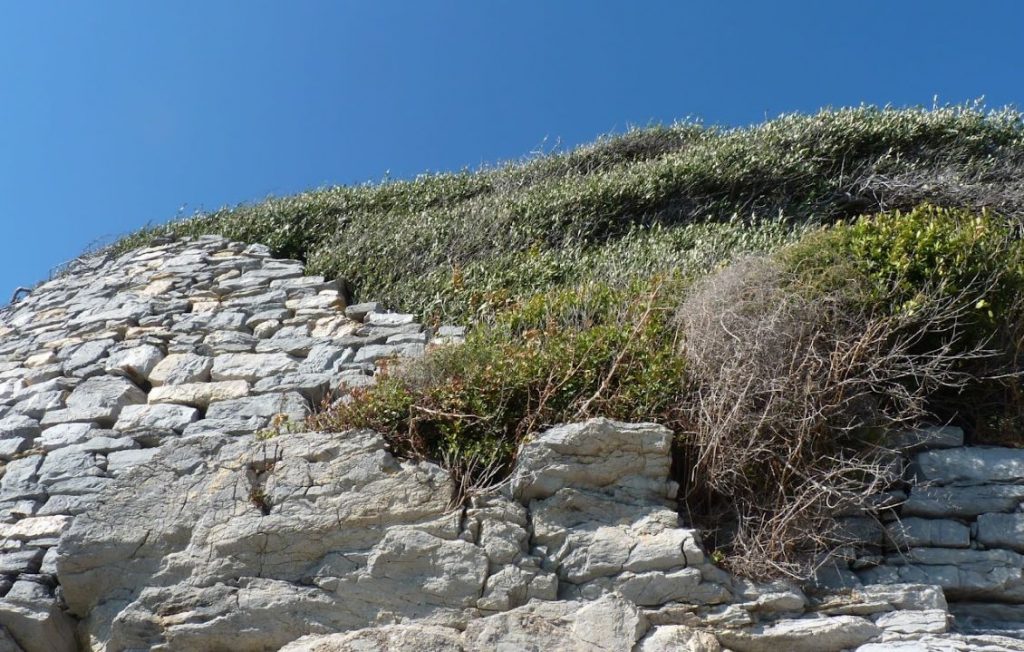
{"points": [[157, 492], [959, 526]]}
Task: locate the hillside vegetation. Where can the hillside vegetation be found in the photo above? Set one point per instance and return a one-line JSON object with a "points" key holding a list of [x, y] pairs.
{"points": [[783, 296]]}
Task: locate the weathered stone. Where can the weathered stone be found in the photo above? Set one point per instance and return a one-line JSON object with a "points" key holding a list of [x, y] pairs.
{"points": [[932, 621], [291, 404], [119, 461], [228, 426], [26, 560], [996, 575], [11, 447], [609, 623], [295, 346], [321, 357], [199, 395], [102, 398], [225, 342], [912, 532], [313, 386], [830, 634], [596, 454], [317, 494], [35, 620], [962, 502], [36, 527], [164, 416], [78, 486], [266, 329], [913, 597], [38, 404], [137, 362], [975, 464], [85, 354], [357, 312], [180, 369], [388, 319], [1002, 531], [678, 638], [251, 366], [19, 425], [66, 463], [412, 637], [65, 434], [20, 479]]}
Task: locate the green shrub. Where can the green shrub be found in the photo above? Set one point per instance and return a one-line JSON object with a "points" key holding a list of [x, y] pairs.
{"points": [[970, 257], [559, 356], [973, 262]]}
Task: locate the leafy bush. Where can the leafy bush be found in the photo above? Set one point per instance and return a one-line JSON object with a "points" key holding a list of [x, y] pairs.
{"points": [[973, 261], [560, 356], [900, 255]]}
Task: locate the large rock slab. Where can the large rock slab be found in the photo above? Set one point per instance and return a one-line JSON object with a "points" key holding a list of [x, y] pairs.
{"points": [[981, 575], [832, 634], [199, 395], [389, 638], [971, 465], [962, 502], [610, 623], [300, 529], [101, 398], [595, 454]]}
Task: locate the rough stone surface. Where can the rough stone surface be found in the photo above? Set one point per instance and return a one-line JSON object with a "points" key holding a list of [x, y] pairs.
{"points": [[802, 635]]}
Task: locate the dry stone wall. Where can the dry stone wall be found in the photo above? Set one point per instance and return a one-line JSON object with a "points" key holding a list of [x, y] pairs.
{"points": [[959, 526], [102, 367], [153, 498]]}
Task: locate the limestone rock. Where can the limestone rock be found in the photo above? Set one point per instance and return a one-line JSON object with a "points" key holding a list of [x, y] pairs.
{"points": [[35, 621], [162, 416], [610, 623], [313, 515], [931, 621], [678, 638], [181, 368], [251, 366], [831, 634], [137, 362], [103, 397], [962, 502], [199, 395], [389, 638], [595, 454], [1002, 531]]}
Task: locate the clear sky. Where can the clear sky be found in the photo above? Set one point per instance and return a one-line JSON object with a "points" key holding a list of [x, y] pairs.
{"points": [[115, 114]]}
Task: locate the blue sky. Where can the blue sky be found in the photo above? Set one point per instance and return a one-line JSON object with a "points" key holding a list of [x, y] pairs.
{"points": [[115, 114]]}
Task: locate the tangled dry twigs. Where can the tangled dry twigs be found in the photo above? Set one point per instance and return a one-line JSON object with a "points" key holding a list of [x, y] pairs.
{"points": [[791, 397]]}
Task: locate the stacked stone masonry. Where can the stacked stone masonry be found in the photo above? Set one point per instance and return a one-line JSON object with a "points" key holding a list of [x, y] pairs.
{"points": [[158, 492]]}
